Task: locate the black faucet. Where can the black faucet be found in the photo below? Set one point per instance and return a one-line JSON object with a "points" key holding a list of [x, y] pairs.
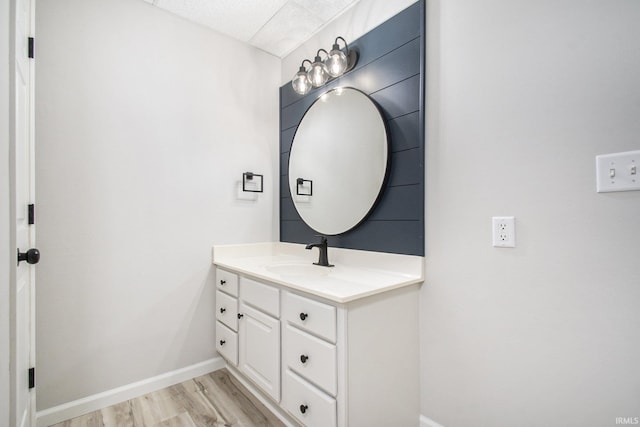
{"points": [[323, 260]]}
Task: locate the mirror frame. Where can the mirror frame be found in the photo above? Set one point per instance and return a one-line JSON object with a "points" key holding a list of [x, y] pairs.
{"points": [[387, 168]]}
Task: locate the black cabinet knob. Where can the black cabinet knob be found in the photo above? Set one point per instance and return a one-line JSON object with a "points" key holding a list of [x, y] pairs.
{"points": [[303, 408], [303, 316], [304, 358], [240, 315], [222, 342], [222, 309], [222, 282], [32, 256]]}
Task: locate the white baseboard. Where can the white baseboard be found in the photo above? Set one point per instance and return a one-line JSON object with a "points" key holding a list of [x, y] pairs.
{"points": [[427, 422], [94, 402]]}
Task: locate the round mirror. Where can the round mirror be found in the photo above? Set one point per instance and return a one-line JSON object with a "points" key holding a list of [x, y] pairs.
{"points": [[338, 161]]}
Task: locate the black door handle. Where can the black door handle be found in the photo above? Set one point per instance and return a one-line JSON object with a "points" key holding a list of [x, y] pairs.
{"points": [[32, 256]]}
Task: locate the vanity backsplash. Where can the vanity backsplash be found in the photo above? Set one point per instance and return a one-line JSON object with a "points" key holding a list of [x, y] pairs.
{"points": [[390, 70]]}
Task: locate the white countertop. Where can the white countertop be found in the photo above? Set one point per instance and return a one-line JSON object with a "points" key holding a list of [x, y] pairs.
{"points": [[356, 274]]}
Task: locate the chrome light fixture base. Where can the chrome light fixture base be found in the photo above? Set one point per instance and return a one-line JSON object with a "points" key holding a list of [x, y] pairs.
{"points": [[352, 60]]}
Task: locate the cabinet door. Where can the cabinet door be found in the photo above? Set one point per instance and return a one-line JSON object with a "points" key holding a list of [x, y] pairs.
{"points": [[259, 336]]}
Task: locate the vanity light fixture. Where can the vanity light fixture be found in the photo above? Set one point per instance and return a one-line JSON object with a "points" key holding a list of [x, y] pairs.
{"points": [[336, 63]]}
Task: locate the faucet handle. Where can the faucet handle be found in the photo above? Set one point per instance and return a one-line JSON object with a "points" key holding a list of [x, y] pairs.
{"points": [[323, 238]]}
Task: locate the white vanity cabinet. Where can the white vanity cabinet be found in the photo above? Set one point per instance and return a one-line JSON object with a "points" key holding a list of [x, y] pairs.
{"points": [[334, 347], [323, 363]]}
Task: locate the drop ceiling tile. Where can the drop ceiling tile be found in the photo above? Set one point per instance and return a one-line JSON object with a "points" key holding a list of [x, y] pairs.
{"points": [[326, 10], [292, 25], [275, 26], [240, 19]]}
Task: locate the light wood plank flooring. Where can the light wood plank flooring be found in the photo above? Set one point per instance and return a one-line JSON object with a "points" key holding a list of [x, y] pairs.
{"points": [[216, 399]]}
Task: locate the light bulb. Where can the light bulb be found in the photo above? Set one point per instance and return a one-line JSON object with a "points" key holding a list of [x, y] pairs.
{"points": [[300, 82], [318, 73], [336, 62]]}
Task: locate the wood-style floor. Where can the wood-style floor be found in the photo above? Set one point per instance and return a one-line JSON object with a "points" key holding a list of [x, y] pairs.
{"points": [[216, 399]]}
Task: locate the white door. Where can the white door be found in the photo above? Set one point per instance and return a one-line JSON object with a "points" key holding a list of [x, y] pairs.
{"points": [[23, 297], [259, 349]]}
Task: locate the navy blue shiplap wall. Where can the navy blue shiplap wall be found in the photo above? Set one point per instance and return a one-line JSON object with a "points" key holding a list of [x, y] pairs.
{"points": [[390, 70]]}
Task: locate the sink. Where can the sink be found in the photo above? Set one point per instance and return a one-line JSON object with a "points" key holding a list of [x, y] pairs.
{"points": [[298, 269]]}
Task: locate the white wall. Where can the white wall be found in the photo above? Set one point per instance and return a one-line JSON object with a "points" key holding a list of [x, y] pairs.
{"points": [[145, 122], [522, 96], [5, 218]]}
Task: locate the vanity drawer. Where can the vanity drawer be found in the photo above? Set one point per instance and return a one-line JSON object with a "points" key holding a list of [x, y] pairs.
{"points": [[227, 343], [310, 315], [312, 358], [227, 310], [307, 404], [227, 281], [263, 297]]}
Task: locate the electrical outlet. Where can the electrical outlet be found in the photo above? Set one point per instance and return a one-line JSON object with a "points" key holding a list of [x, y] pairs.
{"points": [[504, 231]]}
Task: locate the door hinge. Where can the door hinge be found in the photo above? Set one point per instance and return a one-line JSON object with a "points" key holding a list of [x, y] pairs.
{"points": [[31, 47], [32, 378], [32, 214]]}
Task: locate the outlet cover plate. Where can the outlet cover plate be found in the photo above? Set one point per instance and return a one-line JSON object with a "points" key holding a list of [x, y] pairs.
{"points": [[504, 231], [618, 172]]}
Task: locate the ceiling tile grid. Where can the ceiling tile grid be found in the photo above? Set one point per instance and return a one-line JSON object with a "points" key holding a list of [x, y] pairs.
{"points": [[275, 26]]}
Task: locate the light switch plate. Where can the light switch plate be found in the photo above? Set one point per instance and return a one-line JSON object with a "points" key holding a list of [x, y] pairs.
{"points": [[618, 172]]}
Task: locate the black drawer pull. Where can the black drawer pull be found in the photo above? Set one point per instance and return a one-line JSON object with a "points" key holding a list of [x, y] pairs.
{"points": [[222, 282], [222, 342], [222, 309], [304, 358], [303, 408], [240, 315], [303, 316]]}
